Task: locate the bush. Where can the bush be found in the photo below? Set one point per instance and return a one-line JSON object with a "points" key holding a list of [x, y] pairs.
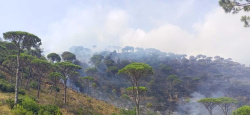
{"points": [[149, 105], [125, 96], [57, 89], [19, 110], [6, 87], [114, 91], [33, 85], [49, 110], [89, 99], [21, 91], [126, 112], [30, 105], [244, 110], [10, 103], [2, 76]]}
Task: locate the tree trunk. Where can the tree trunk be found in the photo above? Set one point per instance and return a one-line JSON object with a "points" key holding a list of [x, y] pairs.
{"points": [[55, 96], [21, 78], [27, 83], [137, 100], [65, 90], [29, 77], [17, 77], [38, 86], [211, 112], [55, 93], [10, 79], [51, 89]]}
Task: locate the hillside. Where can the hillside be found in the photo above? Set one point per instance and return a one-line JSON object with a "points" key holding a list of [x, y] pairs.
{"points": [[77, 103], [83, 76], [198, 77]]}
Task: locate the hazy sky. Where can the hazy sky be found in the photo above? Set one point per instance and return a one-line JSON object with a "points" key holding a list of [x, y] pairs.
{"points": [[180, 26]]}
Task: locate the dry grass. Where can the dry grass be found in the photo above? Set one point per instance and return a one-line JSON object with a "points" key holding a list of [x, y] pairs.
{"points": [[75, 102], [4, 109]]}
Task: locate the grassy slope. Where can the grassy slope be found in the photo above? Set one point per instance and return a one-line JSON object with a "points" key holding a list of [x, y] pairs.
{"points": [[75, 102]]}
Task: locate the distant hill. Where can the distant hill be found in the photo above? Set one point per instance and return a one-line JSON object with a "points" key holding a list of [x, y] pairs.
{"points": [[208, 76]]}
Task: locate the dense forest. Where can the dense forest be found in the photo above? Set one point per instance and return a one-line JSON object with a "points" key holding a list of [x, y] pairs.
{"points": [[117, 80], [176, 82], [176, 79]]}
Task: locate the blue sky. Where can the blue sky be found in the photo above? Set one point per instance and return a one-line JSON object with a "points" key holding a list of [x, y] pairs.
{"points": [[181, 26]]}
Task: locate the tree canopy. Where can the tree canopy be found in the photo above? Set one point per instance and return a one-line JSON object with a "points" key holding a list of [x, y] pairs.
{"points": [[22, 40], [235, 6], [68, 56], [134, 72], [209, 103], [53, 57]]}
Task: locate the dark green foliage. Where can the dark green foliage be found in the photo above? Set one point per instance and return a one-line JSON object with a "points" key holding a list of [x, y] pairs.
{"points": [[90, 71], [141, 89], [30, 105], [137, 70], [96, 60], [109, 62], [226, 103], [209, 103], [68, 70], [149, 105], [20, 110], [88, 78], [27, 40], [10, 103], [57, 89], [53, 57], [6, 87], [33, 84], [173, 79], [49, 110], [134, 73], [235, 6], [244, 110], [125, 96], [112, 69], [68, 56], [21, 91]]}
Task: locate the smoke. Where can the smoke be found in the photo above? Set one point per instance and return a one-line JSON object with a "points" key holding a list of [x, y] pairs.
{"points": [[192, 107], [101, 27]]}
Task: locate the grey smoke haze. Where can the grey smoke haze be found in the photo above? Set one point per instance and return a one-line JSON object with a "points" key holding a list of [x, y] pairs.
{"points": [[184, 27], [195, 108]]}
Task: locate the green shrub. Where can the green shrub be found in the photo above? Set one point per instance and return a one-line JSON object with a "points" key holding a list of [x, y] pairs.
{"points": [[89, 99], [30, 105], [125, 96], [2, 76], [126, 112], [57, 89], [21, 91], [49, 110], [94, 85], [6, 87], [33, 85], [244, 110], [10, 88], [80, 111], [19, 110], [149, 105], [10, 103], [114, 91]]}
